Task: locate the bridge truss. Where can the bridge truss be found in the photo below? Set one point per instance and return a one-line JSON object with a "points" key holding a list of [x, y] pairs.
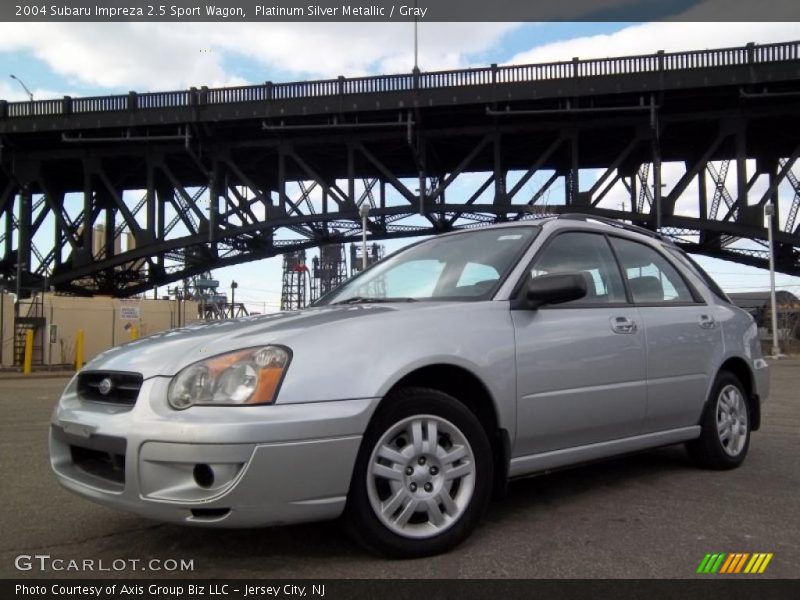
{"points": [[694, 144]]}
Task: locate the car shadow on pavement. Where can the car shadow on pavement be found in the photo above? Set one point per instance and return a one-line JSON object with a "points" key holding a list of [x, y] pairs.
{"points": [[565, 484], [259, 552]]}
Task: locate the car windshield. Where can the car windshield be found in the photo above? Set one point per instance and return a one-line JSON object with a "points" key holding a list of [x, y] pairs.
{"points": [[465, 266]]}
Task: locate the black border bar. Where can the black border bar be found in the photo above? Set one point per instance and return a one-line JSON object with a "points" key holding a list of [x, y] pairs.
{"points": [[741, 588], [397, 10]]}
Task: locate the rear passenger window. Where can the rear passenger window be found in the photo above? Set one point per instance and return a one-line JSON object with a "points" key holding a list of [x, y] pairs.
{"points": [[650, 277], [589, 255]]}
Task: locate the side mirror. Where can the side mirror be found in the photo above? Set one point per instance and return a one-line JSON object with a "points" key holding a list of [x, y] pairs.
{"points": [[555, 288]]}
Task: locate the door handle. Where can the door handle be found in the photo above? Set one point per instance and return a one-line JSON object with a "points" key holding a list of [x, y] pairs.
{"points": [[623, 325], [706, 321]]}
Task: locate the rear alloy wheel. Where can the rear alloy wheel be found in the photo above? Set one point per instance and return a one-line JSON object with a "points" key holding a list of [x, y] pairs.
{"points": [[422, 478], [725, 436]]}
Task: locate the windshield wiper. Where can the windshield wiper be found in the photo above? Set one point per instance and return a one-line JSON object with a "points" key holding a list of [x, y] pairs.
{"points": [[365, 300]]}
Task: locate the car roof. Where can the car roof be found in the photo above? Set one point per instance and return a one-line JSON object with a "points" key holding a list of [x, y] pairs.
{"points": [[583, 221]]}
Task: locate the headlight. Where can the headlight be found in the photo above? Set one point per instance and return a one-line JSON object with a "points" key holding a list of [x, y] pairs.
{"points": [[250, 376]]}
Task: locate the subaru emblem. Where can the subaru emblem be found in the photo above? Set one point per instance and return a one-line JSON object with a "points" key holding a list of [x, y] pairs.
{"points": [[105, 386]]}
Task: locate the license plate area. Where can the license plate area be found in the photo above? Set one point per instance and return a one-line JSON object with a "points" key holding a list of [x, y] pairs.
{"points": [[97, 460]]}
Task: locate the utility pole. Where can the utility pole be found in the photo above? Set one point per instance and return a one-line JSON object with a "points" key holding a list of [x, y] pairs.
{"points": [[769, 212], [416, 38], [364, 212], [656, 147]]}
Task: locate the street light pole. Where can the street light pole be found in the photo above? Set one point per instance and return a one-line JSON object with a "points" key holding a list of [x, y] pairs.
{"points": [[364, 212], [656, 147], [416, 39], [769, 212], [24, 87], [234, 285]]}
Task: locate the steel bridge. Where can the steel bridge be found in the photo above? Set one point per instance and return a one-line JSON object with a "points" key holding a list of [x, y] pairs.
{"points": [[694, 144]]}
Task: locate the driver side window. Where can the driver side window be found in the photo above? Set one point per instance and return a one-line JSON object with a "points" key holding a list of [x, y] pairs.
{"points": [[589, 255]]}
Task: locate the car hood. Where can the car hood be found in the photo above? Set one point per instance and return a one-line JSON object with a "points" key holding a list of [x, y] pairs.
{"points": [[167, 352]]}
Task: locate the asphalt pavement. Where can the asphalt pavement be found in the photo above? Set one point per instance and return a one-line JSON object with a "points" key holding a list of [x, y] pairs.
{"points": [[648, 515]]}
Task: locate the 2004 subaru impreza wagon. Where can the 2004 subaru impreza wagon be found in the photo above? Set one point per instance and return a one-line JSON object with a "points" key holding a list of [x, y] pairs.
{"points": [[404, 398]]}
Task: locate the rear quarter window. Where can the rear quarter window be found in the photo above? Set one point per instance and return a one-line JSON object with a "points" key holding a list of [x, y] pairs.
{"points": [[689, 263]]}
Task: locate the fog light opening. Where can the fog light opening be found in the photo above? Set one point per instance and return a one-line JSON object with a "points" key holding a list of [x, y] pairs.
{"points": [[203, 475]]}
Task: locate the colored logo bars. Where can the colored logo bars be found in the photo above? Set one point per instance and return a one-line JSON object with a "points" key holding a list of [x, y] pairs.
{"points": [[736, 562]]}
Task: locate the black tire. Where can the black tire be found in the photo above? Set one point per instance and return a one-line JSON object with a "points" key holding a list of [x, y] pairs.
{"points": [[360, 517], [709, 450]]}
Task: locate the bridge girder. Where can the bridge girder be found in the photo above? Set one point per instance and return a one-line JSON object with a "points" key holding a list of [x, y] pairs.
{"points": [[193, 192]]}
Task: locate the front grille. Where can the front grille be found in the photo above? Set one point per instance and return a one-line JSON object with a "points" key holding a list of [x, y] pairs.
{"points": [[109, 386]]}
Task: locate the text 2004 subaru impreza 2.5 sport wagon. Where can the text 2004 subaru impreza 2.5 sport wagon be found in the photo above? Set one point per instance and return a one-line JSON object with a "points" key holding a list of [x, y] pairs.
{"points": [[404, 398]]}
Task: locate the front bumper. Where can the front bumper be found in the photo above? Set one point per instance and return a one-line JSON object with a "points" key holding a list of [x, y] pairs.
{"points": [[216, 466]]}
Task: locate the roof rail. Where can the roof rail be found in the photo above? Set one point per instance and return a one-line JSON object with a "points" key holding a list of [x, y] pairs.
{"points": [[614, 223]]}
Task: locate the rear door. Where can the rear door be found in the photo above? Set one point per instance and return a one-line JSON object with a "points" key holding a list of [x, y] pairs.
{"points": [[681, 334], [580, 365]]}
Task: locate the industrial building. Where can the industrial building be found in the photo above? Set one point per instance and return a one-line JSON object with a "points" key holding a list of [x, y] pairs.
{"points": [[105, 321]]}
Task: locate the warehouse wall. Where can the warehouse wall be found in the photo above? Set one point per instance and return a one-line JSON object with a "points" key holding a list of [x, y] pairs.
{"points": [[7, 329], [105, 321]]}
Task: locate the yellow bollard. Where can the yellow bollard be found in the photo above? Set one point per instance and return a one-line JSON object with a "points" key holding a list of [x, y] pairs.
{"points": [[26, 363], [134, 333], [79, 350]]}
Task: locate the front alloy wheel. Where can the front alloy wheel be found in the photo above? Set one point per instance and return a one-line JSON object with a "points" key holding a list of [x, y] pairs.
{"points": [[423, 475]]}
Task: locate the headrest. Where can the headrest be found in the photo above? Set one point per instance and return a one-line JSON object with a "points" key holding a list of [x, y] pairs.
{"points": [[647, 289]]}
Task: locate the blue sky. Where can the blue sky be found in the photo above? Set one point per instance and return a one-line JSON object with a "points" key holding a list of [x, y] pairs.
{"points": [[96, 59]]}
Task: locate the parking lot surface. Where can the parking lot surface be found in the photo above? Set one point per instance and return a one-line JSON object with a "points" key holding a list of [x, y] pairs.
{"points": [[647, 515]]}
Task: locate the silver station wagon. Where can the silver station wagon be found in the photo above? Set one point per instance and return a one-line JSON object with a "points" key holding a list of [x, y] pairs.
{"points": [[406, 398]]}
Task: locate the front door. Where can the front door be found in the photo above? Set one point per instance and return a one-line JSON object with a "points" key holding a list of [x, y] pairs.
{"points": [[580, 365]]}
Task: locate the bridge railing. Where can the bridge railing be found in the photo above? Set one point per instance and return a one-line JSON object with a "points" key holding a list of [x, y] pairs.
{"points": [[98, 104], [162, 99], [342, 86], [776, 52], [235, 94]]}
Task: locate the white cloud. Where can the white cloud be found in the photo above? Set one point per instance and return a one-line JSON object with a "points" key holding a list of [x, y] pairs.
{"points": [[648, 38], [160, 56], [169, 56], [115, 55], [358, 49]]}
